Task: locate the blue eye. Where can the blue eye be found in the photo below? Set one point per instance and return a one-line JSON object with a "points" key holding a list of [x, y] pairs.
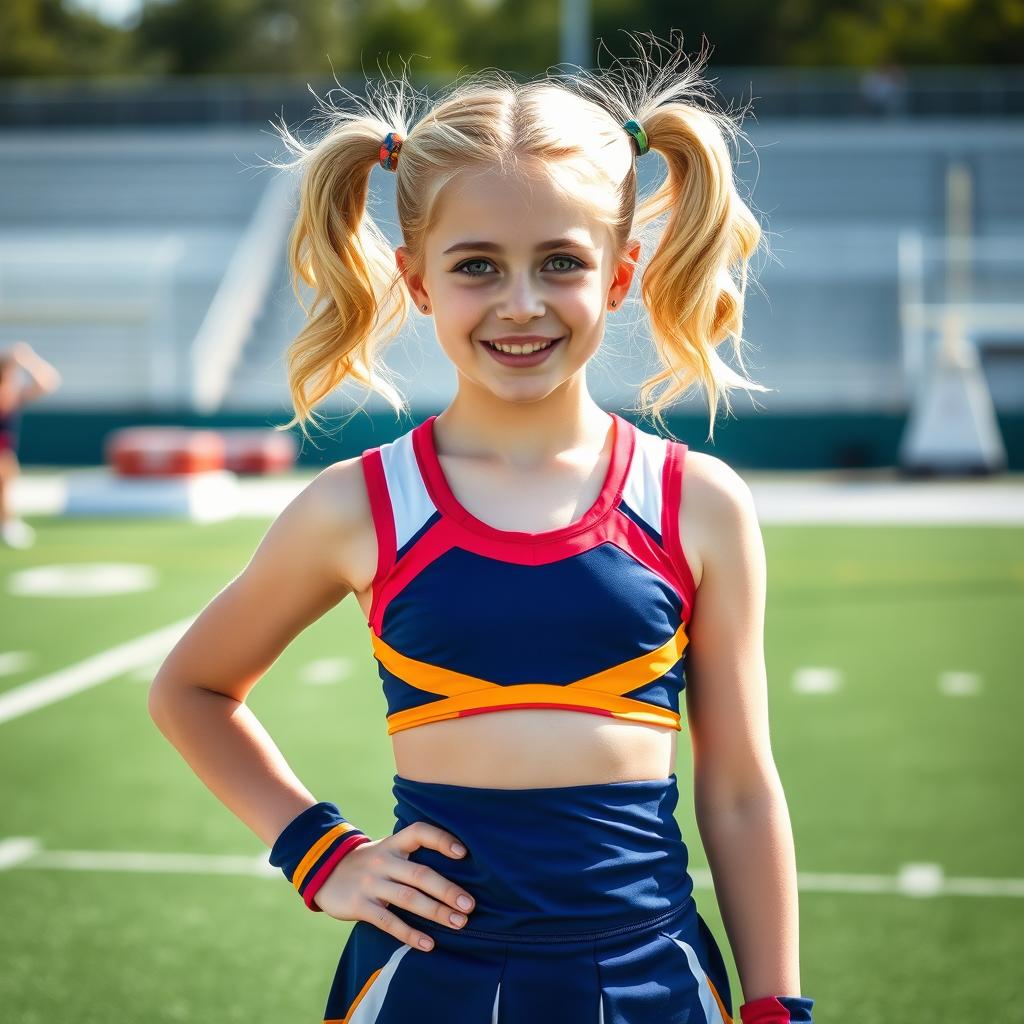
{"points": [[461, 268]]}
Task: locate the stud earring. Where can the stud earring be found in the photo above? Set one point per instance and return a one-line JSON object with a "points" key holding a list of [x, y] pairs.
{"points": [[613, 301], [424, 307]]}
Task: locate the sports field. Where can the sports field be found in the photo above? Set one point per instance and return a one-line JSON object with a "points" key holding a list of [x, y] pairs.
{"points": [[894, 658]]}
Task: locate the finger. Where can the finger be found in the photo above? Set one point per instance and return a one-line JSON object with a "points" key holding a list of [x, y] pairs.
{"points": [[427, 880], [399, 894], [386, 921], [422, 833]]}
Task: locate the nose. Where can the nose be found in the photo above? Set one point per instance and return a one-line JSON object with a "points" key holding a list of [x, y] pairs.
{"points": [[522, 300]]}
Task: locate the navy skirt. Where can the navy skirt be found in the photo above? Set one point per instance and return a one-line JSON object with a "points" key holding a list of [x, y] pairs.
{"points": [[584, 914]]}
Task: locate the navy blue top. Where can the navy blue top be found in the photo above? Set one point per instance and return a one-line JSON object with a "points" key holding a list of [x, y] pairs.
{"points": [[10, 421]]}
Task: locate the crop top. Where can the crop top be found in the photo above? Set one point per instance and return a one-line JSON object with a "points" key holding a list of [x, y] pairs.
{"points": [[467, 619]]}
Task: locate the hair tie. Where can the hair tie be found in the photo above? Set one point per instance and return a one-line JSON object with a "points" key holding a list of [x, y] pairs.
{"points": [[389, 150], [639, 137]]}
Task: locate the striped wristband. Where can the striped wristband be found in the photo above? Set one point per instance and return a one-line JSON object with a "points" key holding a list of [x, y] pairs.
{"points": [[777, 1010], [311, 845]]}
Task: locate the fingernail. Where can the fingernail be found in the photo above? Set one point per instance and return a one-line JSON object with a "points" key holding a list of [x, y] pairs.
{"points": [[465, 902], [458, 848], [457, 918], [425, 943]]}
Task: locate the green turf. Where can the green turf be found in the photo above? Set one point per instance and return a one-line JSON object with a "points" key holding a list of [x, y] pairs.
{"points": [[883, 772]]}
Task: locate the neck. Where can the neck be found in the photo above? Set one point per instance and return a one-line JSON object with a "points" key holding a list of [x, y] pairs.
{"points": [[478, 424]]}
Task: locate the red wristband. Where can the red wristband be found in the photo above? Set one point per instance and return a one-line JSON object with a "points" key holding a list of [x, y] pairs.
{"points": [[344, 847], [776, 1010]]}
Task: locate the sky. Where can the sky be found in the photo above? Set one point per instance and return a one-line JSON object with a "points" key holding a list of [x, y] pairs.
{"points": [[117, 12]]}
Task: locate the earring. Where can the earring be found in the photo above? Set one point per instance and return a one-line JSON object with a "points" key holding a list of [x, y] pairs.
{"points": [[424, 307], [613, 302]]}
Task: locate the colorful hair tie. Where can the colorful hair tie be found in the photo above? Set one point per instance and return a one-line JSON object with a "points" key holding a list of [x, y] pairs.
{"points": [[778, 1010], [639, 136], [310, 847], [389, 150]]}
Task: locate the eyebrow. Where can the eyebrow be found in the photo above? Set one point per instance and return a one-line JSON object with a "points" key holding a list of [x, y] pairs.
{"points": [[555, 243]]}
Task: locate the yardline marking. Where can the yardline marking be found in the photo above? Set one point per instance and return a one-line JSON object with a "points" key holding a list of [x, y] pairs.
{"points": [[913, 880], [100, 668]]}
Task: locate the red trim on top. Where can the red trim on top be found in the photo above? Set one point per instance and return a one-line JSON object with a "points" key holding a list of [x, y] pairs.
{"points": [[636, 542], [383, 519], [534, 704], [445, 534], [617, 529], [437, 541], [448, 505], [671, 500]]}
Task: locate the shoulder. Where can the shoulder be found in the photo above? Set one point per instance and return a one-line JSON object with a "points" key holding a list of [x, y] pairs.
{"points": [[717, 516], [333, 510], [339, 491]]}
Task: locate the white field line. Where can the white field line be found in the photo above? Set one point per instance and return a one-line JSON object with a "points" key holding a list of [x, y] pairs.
{"points": [[916, 880], [95, 670], [959, 684], [816, 680]]}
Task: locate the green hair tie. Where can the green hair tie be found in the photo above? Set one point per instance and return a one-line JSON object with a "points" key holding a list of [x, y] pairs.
{"points": [[639, 136]]}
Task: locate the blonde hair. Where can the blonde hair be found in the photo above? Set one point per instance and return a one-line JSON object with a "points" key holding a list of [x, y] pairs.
{"points": [[569, 126]]}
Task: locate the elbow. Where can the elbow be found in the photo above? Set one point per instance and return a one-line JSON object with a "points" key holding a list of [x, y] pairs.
{"points": [[160, 700], [155, 704], [751, 795]]}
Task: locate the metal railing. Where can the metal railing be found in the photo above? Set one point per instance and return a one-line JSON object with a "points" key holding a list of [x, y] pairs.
{"points": [[240, 297], [953, 91]]}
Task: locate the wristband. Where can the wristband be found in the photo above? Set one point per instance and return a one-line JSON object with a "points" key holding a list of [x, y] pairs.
{"points": [[311, 846], [777, 1010]]}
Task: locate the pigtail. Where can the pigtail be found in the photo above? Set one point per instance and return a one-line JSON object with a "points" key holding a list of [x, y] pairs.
{"points": [[336, 249], [693, 285], [692, 297]]}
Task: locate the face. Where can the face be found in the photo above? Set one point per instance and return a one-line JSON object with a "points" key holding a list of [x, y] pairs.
{"points": [[509, 257]]}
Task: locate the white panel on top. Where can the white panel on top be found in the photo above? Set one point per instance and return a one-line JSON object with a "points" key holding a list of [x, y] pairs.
{"points": [[642, 492], [410, 501]]}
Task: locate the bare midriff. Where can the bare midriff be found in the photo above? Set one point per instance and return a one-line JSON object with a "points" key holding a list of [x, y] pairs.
{"points": [[524, 748]]}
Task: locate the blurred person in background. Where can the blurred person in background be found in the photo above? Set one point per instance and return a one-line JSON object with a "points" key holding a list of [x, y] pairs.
{"points": [[14, 532]]}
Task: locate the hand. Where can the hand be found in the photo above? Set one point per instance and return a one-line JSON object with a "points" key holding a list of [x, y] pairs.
{"points": [[379, 872], [21, 350]]}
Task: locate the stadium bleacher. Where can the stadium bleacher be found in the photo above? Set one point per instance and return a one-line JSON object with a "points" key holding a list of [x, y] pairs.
{"points": [[116, 245]]}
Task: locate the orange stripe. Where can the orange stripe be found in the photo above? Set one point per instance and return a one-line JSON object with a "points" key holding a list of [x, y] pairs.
{"points": [[533, 693], [359, 998], [314, 853], [616, 680], [601, 692], [424, 676], [714, 992], [629, 675]]}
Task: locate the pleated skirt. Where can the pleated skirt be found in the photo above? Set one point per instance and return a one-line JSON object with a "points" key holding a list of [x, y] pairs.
{"points": [[584, 915]]}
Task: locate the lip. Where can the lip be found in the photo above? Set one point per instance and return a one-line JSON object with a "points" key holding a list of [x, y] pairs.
{"points": [[522, 362]]}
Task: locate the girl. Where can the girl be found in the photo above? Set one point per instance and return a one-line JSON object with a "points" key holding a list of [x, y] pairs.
{"points": [[528, 553], [15, 532]]}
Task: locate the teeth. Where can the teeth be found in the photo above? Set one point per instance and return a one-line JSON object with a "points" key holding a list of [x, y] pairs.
{"points": [[519, 350]]}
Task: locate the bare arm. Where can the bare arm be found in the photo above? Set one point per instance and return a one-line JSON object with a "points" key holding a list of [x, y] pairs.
{"points": [[45, 376], [198, 702], [198, 696], [739, 801]]}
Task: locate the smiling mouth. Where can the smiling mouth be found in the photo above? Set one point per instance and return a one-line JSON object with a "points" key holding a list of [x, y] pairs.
{"points": [[533, 351]]}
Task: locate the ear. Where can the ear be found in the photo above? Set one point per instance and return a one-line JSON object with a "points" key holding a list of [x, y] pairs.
{"points": [[413, 282], [622, 278]]}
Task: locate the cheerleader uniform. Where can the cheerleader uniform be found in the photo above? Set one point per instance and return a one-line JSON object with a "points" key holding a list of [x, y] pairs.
{"points": [[10, 424], [584, 912]]}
